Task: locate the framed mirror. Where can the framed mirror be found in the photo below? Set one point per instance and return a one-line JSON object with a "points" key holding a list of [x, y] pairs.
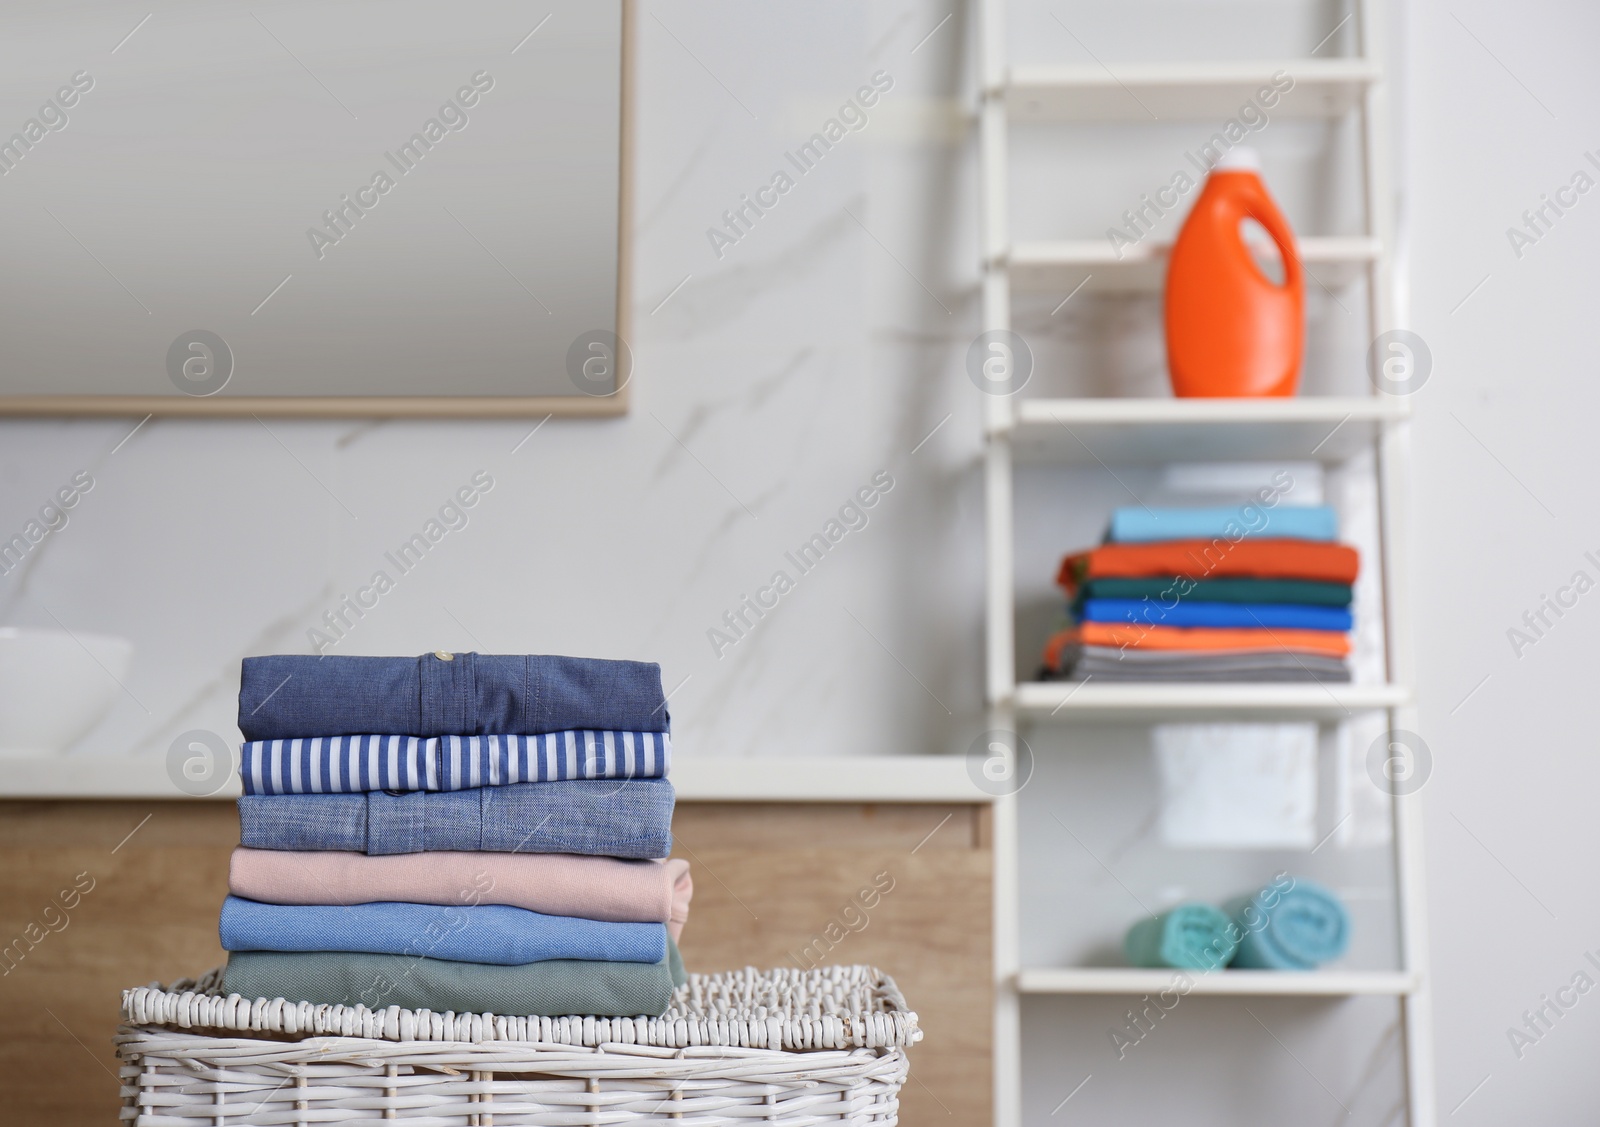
{"points": [[296, 207]]}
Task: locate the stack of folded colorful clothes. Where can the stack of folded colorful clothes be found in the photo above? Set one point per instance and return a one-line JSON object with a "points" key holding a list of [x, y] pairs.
{"points": [[456, 832], [1215, 594]]}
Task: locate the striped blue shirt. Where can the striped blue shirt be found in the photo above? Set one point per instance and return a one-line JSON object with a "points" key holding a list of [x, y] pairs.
{"points": [[352, 764]]}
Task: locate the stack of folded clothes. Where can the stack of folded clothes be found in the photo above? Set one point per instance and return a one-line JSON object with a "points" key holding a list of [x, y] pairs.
{"points": [[458, 833], [1213, 594]]}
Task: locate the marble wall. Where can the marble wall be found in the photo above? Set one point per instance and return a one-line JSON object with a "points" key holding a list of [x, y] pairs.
{"points": [[774, 378]]}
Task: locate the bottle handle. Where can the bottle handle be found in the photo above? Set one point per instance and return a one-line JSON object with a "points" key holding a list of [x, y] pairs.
{"points": [[1262, 211]]}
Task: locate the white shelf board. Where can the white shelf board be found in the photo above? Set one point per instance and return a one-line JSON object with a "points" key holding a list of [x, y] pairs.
{"points": [[883, 778], [1192, 91], [107, 776], [1062, 266], [877, 778], [1092, 701], [1324, 429], [1133, 981]]}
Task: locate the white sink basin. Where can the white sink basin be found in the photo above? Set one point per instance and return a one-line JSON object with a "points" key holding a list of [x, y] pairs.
{"points": [[55, 686]]}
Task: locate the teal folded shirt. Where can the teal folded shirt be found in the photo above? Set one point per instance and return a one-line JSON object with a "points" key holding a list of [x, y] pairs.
{"points": [[1168, 590], [557, 988]]}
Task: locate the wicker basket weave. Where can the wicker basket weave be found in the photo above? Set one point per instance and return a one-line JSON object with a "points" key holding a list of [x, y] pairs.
{"points": [[795, 1048]]}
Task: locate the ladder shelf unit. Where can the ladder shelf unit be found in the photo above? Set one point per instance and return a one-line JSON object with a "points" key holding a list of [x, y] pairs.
{"points": [[1114, 432]]}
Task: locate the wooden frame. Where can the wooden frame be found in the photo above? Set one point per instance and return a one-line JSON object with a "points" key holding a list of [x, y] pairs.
{"points": [[406, 406]]}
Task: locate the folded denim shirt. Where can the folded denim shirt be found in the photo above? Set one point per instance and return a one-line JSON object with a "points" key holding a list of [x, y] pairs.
{"points": [[620, 818], [285, 696], [468, 933], [349, 764]]}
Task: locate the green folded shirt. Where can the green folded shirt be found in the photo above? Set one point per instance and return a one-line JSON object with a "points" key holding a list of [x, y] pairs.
{"points": [[1165, 590], [554, 988]]}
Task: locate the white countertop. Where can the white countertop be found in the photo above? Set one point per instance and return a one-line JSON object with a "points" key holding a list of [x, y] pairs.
{"points": [[901, 778]]}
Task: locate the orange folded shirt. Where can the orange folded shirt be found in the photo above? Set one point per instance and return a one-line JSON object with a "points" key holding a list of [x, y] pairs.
{"points": [[1214, 559], [1208, 639]]}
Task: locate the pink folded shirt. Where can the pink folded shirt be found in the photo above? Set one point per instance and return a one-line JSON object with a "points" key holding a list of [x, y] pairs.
{"points": [[557, 884]]}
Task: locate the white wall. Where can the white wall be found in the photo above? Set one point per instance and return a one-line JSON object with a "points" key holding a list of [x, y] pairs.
{"points": [[820, 351], [1504, 104]]}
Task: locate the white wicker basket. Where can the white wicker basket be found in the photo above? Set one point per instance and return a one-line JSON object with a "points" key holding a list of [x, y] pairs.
{"points": [[795, 1048]]}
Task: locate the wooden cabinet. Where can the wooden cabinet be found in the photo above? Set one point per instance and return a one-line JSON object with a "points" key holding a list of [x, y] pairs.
{"points": [[775, 884]]}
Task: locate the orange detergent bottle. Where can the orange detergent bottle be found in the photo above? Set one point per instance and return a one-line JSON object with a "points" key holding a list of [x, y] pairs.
{"points": [[1232, 331]]}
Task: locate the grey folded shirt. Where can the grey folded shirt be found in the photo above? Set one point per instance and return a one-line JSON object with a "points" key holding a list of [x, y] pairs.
{"points": [[1105, 663], [556, 988], [604, 818]]}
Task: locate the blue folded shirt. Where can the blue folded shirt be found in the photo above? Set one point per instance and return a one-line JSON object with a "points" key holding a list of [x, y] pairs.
{"points": [[482, 933], [1280, 616], [470, 694], [1139, 525], [624, 818]]}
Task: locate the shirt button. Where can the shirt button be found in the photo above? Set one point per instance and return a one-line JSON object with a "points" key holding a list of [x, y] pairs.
{"points": [[442, 656]]}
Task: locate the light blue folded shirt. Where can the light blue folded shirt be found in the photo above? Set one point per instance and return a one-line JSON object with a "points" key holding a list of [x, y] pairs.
{"points": [[483, 933], [1136, 524]]}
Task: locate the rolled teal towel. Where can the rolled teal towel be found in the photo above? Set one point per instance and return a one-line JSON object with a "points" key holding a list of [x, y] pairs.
{"points": [[1295, 929], [1191, 936]]}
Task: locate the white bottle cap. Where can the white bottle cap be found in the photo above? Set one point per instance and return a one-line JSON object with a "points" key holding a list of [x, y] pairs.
{"points": [[1240, 158]]}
